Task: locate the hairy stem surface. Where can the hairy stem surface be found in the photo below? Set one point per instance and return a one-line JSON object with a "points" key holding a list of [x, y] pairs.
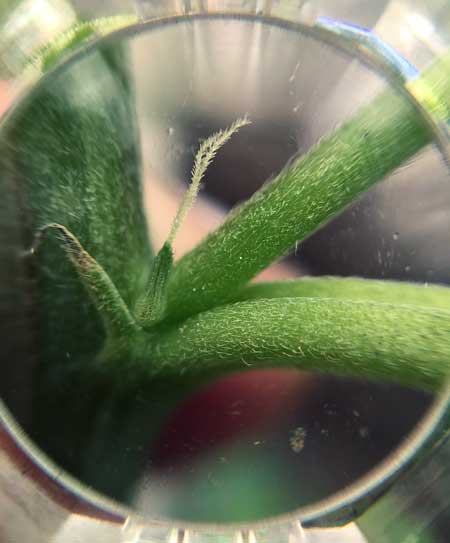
{"points": [[351, 289], [309, 192], [380, 341]]}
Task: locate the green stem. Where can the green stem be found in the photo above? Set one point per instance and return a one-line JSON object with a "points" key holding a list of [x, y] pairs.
{"points": [[72, 150], [397, 343], [351, 289], [305, 195]]}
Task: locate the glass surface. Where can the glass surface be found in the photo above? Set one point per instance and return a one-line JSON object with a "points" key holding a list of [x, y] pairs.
{"points": [[259, 443]]}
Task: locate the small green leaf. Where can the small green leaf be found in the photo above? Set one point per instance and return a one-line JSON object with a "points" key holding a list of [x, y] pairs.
{"points": [[110, 306], [151, 308]]}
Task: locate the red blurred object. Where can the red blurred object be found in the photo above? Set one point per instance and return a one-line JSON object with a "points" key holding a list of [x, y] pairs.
{"points": [[230, 407]]}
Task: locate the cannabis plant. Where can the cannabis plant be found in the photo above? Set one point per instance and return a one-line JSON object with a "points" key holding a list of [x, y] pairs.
{"points": [[123, 332]]}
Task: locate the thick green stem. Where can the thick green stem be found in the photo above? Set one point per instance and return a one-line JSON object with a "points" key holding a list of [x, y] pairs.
{"points": [[309, 192], [397, 343], [73, 153], [351, 289]]}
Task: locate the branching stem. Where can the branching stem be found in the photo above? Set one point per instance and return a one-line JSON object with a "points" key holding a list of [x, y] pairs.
{"points": [[308, 193]]}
